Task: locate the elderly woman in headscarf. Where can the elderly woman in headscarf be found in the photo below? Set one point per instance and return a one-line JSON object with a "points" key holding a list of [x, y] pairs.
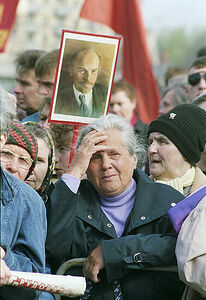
{"points": [[40, 178], [19, 153], [176, 141]]}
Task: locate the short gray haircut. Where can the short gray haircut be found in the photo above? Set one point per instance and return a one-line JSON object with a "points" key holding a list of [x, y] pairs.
{"points": [[132, 141], [179, 95], [7, 112]]}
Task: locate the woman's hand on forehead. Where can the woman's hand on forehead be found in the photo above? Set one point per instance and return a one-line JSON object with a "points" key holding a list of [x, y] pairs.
{"points": [[90, 144]]}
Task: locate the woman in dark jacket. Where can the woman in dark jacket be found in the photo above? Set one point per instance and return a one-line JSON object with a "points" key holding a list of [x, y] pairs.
{"points": [[116, 219]]}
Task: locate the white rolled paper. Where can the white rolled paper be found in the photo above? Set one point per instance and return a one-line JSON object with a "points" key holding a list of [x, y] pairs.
{"points": [[66, 285]]}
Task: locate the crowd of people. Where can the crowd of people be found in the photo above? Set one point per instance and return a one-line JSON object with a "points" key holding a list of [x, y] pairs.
{"points": [[131, 201]]}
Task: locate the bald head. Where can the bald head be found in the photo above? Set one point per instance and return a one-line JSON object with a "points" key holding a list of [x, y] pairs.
{"points": [[84, 70]]}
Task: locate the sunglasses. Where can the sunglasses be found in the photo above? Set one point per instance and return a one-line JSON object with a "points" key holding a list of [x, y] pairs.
{"points": [[195, 78]]}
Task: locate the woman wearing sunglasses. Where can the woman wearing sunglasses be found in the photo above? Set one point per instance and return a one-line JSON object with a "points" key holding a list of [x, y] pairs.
{"points": [[196, 78]]}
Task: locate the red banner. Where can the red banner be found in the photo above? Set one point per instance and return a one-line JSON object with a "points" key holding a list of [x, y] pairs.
{"points": [[7, 19], [124, 16]]}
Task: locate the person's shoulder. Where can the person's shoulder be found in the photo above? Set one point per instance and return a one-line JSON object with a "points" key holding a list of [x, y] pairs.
{"points": [[22, 190], [201, 206], [101, 87], [159, 188], [141, 127], [34, 118]]}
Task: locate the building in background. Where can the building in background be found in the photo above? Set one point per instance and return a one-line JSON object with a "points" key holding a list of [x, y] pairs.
{"points": [[39, 25]]}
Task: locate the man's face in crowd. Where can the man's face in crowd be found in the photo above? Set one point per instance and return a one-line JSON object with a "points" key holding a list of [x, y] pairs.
{"points": [[26, 91], [62, 151], [85, 71], [194, 91], [167, 103], [44, 114], [121, 105], [46, 84]]}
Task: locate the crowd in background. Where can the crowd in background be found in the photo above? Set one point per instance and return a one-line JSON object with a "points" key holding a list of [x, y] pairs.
{"points": [[132, 199]]}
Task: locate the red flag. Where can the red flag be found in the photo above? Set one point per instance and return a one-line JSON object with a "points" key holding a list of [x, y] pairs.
{"points": [[7, 18], [124, 17]]}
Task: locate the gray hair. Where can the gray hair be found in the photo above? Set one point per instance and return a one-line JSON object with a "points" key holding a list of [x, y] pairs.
{"points": [[7, 111], [179, 95], [132, 141]]}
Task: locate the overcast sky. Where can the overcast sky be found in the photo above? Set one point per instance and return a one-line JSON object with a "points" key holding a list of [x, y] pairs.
{"points": [[170, 14]]}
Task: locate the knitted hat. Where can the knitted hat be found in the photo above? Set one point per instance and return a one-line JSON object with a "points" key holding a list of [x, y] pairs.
{"points": [[185, 126], [21, 136]]}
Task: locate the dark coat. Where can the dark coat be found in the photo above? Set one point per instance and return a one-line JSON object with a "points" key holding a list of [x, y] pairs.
{"points": [[67, 104], [77, 224], [141, 128]]}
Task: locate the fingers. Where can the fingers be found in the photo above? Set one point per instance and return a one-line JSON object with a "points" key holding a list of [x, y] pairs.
{"points": [[93, 264], [2, 252], [4, 272], [91, 270], [92, 143]]}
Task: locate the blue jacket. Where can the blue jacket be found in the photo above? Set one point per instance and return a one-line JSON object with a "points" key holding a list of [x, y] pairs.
{"points": [[23, 232], [34, 117]]}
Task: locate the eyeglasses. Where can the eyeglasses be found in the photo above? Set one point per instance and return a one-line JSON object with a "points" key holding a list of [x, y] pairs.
{"points": [[25, 162], [195, 78]]}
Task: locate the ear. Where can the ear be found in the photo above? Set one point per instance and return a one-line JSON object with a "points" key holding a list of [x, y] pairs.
{"points": [[135, 161], [70, 68], [134, 103], [186, 88], [3, 139]]}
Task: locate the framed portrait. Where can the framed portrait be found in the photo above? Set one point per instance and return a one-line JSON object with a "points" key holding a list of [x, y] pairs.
{"points": [[84, 77]]}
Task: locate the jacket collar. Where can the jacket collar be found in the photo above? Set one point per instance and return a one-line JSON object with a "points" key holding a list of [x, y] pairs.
{"points": [[199, 181], [149, 204], [153, 200]]}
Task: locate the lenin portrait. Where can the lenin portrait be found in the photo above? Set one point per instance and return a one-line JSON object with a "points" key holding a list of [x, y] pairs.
{"points": [[84, 80]]}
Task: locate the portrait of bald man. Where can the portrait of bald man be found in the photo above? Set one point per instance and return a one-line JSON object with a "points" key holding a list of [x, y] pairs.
{"points": [[81, 95]]}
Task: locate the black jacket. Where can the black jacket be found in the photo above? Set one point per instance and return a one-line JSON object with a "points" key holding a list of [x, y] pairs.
{"points": [[76, 225]]}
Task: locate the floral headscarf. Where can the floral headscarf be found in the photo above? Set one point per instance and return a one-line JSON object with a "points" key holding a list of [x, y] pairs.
{"points": [[51, 160]]}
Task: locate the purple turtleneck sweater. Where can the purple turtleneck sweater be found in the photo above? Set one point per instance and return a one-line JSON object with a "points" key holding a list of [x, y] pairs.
{"points": [[115, 208], [118, 208]]}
